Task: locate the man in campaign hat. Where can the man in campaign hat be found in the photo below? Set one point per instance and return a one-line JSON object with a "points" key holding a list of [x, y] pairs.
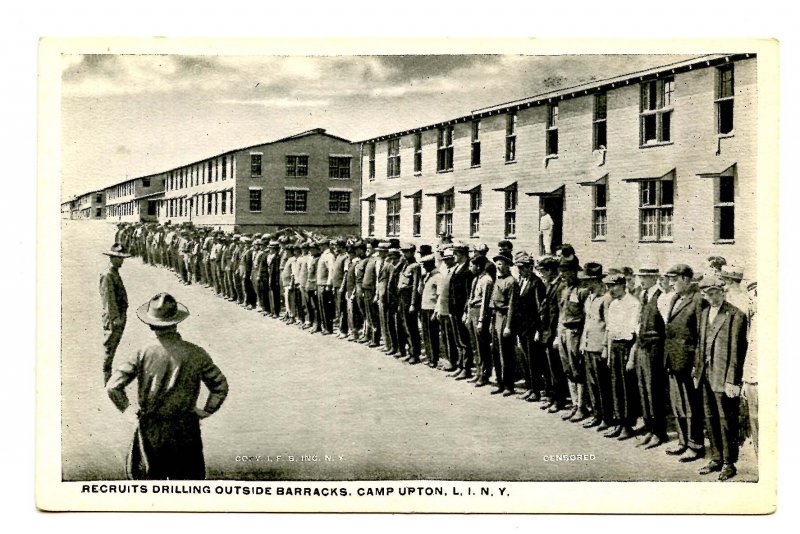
{"points": [[570, 325], [114, 299], [167, 444]]}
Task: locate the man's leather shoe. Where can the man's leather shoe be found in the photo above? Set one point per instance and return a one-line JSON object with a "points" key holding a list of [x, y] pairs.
{"points": [[450, 369], [677, 451], [692, 455], [591, 423], [647, 438], [464, 376], [728, 471], [579, 416], [474, 379], [413, 361], [547, 405], [614, 432], [525, 394], [603, 427], [533, 398], [655, 442], [509, 392], [569, 414], [554, 408], [711, 467], [497, 391], [626, 434], [481, 383]]}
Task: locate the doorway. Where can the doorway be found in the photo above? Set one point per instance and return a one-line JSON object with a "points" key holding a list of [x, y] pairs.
{"points": [[552, 205]]}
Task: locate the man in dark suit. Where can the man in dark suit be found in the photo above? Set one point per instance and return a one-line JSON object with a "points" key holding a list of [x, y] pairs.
{"points": [[531, 294], [649, 357], [460, 285], [274, 278], [680, 346], [718, 375], [555, 380]]}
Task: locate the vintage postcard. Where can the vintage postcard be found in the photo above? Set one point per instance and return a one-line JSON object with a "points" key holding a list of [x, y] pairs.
{"points": [[450, 276]]}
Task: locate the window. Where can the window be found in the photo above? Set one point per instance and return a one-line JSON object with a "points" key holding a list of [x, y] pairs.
{"points": [[295, 201], [599, 138], [552, 130], [417, 153], [724, 101], [98, 212], [416, 220], [339, 201], [208, 204], [255, 166], [656, 111], [297, 166], [599, 214], [224, 207], [99, 198], [444, 155], [475, 151], [393, 217], [511, 136], [224, 167], [145, 182], [372, 161], [511, 211], [724, 221], [371, 217], [255, 200], [444, 214], [233, 204], [475, 213], [393, 161], [338, 167], [655, 210]]}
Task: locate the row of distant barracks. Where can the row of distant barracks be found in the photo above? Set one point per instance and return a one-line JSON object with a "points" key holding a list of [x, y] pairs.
{"points": [[653, 167]]}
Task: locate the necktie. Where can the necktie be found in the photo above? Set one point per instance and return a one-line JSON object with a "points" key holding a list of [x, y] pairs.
{"points": [[644, 298]]}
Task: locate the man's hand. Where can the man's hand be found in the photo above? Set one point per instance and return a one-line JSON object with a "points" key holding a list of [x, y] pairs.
{"points": [[118, 322], [732, 391], [506, 332], [202, 414], [629, 365]]}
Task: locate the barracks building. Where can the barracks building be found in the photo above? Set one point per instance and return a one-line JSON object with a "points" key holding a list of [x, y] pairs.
{"points": [[657, 167], [89, 206], [309, 180]]}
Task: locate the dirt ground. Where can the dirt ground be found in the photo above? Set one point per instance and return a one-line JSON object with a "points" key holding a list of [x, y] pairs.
{"points": [[307, 407]]}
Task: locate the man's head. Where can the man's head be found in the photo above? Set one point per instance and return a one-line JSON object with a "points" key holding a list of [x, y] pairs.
{"points": [[503, 261], [615, 283], [591, 277], [428, 262], [477, 264], [713, 288], [117, 254], [461, 252], [548, 268], [648, 276], [408, 250], [681, 277], [505, 245], [568, 268]]}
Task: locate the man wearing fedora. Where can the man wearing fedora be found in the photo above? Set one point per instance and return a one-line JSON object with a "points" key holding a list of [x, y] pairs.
{"points": [[593, 347], [114, 299], [167, 444], [717, 373]]}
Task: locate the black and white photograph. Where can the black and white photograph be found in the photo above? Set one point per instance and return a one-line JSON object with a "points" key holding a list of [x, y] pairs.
{"points": [[385, 280]]}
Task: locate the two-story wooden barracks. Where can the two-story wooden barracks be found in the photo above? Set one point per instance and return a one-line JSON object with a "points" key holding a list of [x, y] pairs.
{"points": [[657, 166]]}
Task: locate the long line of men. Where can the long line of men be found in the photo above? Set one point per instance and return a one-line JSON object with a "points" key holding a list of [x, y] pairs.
{"points": [[605, 348]]}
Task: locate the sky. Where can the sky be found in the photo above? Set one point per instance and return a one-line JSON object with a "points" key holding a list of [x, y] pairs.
{"points": [[124, 116]]}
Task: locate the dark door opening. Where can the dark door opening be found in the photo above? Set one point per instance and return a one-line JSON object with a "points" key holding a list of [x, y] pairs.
{"points": [[551, 220]]}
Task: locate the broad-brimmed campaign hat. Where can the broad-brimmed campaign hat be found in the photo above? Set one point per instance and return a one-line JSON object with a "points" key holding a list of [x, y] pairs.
{"points": [[117, 250], [162, 310]]}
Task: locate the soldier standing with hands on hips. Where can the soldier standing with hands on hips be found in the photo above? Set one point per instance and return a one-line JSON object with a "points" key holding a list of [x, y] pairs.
{"points": [[115, 305]]}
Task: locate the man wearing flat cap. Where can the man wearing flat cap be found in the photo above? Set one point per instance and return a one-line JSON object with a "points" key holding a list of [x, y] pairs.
{"points": [[114, 299], [505, 295], [649, 355], [555, 380], [460, 284], [718, 375], [681, 337], [531, 294], [167, 444]]}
